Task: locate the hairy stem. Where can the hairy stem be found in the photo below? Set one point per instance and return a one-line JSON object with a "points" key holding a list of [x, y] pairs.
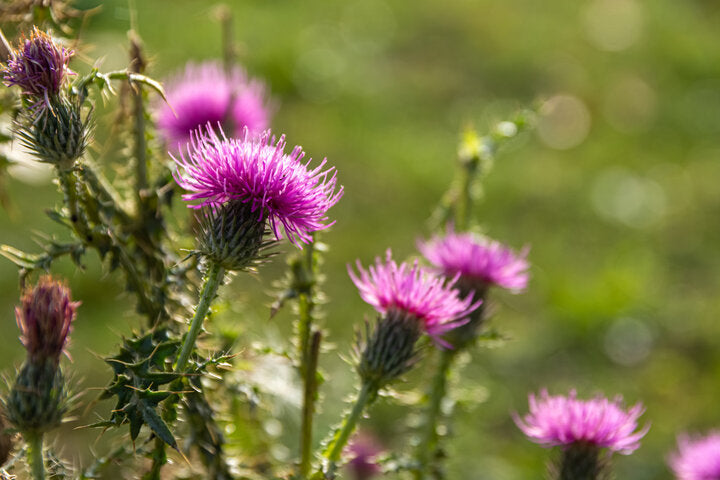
{"points": [[428, 436], [309, 406], [213, 278], [35, 458], [334, 449]]}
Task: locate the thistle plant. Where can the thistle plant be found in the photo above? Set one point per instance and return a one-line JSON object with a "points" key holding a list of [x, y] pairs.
{"points": [[38, 398], [588, 431], [191, 412]]}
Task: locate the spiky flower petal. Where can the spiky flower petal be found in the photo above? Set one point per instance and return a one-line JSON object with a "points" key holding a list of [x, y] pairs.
{"points": [[697, 458], [479, 261], [561, 420], [39, 67], [207, 93], [414, 290], [276, 186]]}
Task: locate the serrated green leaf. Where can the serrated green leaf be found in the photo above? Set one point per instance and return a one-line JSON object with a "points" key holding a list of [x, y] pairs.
{"points": [[157, 425]]}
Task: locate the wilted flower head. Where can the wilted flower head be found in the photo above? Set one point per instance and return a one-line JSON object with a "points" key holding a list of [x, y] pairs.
{"points": [[414, 290], [207, 93], [38, 67], [256, 171], [560, 420], [479, 261], [45, 317], [697, 458]]}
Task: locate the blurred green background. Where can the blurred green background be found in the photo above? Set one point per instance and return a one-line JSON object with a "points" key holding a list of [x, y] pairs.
{"points": [[616, 191]]}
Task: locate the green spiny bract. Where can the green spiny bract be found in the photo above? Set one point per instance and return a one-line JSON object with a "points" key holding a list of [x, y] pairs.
{"points": [[58, 136], [231, 236], [389, 351], [38, 399]]}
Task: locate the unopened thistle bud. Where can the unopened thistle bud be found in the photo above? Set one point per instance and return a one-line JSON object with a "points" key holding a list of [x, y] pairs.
{"points": [[38, 397], [231, 236], [58, 137], [39, 67], [411, 300]]}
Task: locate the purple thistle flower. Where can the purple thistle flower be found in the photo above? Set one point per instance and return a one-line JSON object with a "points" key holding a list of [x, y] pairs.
{"points": [[206, 93], [45, 318], [415, 291], [697, 458], [565, 421], [479, 261], [39, 67], [256, 171]]}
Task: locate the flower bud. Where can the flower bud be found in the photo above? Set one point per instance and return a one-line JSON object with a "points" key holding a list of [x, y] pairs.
{"points": [[231, 236], [45, 317], [39, 67], [389, 351], [58, 137]]}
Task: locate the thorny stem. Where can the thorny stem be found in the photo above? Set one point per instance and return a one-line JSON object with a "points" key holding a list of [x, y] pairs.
{"points": [[35, 455], [306, 305], [310, 395], [140, 148], [428, 437], [333, 452], [213, 278], [101, 463], [464, 204]]}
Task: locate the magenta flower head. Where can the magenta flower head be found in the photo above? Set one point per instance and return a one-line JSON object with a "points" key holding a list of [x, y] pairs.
{"points": [[256, 171], [697, 458], [45, 318], [479, 261], [411, 301], [207, 93], [583, 428], [39, 67]]}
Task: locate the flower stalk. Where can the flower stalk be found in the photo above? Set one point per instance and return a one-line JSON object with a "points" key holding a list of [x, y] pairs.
{"points": [[308, 409], [34, 454], [333, 451], [211, 283], [427, 447]]}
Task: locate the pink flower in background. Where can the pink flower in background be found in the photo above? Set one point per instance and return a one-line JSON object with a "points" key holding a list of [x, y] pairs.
{"points": [[255, 170], [697, 458], [414, 290], [479, 261], [560, 420], [363, 451], [205, 93]]}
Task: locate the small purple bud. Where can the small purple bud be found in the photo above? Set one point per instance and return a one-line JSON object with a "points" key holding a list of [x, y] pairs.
{"points": [[45, 318], [39, 67]]}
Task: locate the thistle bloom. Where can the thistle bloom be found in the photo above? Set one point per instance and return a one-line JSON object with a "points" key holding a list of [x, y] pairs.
{"points": [[479, 261], [363, 451], [45, 318], [565, 421], [277, 187], [39, 67], [697, 458], [206, 93], [414, 291]]}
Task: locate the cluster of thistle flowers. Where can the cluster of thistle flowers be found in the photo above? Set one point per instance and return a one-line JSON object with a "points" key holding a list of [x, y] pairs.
{"points": [[252, 193]]}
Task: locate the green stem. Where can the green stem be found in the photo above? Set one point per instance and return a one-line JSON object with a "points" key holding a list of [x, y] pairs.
{"points": [[309, 406], [368, 393], [465, 200], [428, 437], [213, 278], [35, 455], [305, 307]]}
